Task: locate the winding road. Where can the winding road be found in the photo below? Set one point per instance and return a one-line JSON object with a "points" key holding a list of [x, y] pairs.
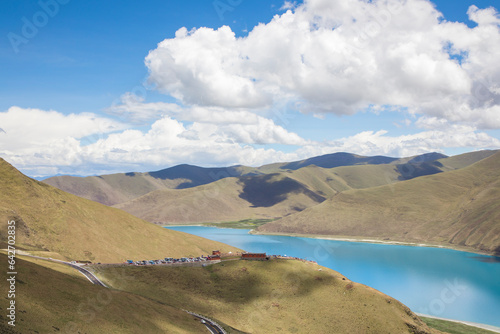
{"points": [[211, 325]]}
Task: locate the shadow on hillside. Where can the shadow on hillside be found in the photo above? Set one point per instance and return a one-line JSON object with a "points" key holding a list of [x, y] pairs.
{"points": [[241, 284], [262, 191], [194, 175], [337, 160], [409, 171]]}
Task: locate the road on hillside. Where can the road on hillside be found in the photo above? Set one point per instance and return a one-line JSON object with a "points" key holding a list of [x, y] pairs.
{"points": [[90, 276], [212, 326], [87, 274]]}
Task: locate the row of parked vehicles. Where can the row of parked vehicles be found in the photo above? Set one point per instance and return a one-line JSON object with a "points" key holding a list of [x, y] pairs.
{"points": [[170, 260]]}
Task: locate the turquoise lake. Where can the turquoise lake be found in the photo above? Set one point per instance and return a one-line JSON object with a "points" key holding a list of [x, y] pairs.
{"points": [[435, 281]]}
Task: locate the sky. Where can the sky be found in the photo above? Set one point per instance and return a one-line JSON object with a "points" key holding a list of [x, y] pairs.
{"points": [[98, 87]]}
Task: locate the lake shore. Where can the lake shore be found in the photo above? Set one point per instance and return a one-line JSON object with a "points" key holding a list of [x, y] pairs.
{"points": [[467, 323], [377, 241], [354, 239]]}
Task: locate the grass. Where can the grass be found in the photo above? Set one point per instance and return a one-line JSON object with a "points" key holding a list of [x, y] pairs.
{"points": [[50, 220], [241, 224], [223, 201], [51, 298], [278, 296], [452, 327], [460, 207]]}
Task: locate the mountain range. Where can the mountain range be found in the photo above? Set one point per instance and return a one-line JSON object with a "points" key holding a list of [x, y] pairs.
{"points": [[397, 198], [61, 225]]}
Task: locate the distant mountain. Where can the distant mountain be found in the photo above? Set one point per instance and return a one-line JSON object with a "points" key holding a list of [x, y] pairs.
{"points": [[459, 207], [122, 187], [234, 198], [50, 220], [337, 160], [112, 189]]}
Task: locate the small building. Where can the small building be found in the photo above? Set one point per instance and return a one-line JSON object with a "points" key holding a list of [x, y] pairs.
{"points": [[254, 256], [216, 252]]}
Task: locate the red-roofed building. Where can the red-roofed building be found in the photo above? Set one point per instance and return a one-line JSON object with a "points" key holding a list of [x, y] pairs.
{"points": [[254, 256]]}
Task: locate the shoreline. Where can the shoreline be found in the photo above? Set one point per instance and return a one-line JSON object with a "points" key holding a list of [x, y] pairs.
{"points": [[468, 323], [356, 239], [377, 241]]}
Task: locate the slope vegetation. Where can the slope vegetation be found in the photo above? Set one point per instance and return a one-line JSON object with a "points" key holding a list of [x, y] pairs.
{"points": [[59, 299], [278, 296], [263, 196], [118, 188], [460, 207], [48, 219]]}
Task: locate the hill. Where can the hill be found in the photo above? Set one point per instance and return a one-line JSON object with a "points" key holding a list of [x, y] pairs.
{"points": [[261, 196], [277, 296], [459, 207], [122, 187], [118, 188], [50, 220], [52, 298], [275, 195]]}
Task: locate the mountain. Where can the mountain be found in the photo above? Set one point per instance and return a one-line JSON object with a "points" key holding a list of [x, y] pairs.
{"points": [[54, 298], [261, 196], [122, 187], [276, 296], [118, 188], [50, 220], [459, 207]]}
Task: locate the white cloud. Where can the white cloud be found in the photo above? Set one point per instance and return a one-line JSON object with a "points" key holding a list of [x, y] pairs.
{"points": [[341, 57], [132, 109], [380, 143], [169, 142], [56, 143], [35, 128]]}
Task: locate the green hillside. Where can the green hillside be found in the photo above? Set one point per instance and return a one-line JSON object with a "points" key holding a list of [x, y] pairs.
{"points": [[50, 220], [53, 298], [229, 199], [460, 208], [118, 188], [278, 296]]}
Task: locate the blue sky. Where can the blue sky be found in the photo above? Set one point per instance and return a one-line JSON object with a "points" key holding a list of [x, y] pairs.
{"points": [[87, 89]]}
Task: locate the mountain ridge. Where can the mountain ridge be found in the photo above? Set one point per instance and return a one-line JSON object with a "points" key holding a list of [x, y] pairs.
{"points": [[50, 220], [459, 207]]}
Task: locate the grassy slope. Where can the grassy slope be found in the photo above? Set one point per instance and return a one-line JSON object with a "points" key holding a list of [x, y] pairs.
{"points": [[266, 196], [452, 327], [54, 298], [117, 188], [52, 220], [111, 189], [459, 207], [466, 159], [224, 200], [281, 296]]}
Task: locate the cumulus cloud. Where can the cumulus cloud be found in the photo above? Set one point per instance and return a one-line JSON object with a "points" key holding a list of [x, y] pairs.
{"points": [[380, 143], [341, 57], [318, 57], [35, 128], [86, 144], [169, 142]]}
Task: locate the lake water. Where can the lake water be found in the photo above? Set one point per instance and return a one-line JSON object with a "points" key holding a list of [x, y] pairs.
{"points": [[435, 281]]}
